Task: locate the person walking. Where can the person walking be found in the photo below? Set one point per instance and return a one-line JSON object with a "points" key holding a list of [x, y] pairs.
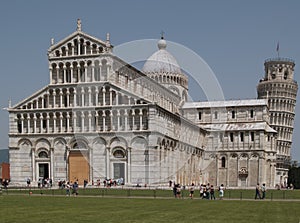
{"points": [[208, 191], [263, 191], [192, 189], [221, 191], [257, 192], [212, 192], [28, 182], [67, 186], [201, 191], [75, 188], [178, 191], [175, 190], [204, 192]]}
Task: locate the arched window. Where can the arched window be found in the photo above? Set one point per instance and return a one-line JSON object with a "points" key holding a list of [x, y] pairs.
{"points": [[232, 114], [273, 76], [216, 115], [43, 154], [251, 113], [119, 154], [223, 162], [19, 126]]}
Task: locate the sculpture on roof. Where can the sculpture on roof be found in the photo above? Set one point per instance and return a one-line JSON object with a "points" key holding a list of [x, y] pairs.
{"points": [[78, 24]]}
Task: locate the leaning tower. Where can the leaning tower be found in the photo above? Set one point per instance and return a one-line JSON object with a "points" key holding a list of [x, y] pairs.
{"points": [[280, 88]]}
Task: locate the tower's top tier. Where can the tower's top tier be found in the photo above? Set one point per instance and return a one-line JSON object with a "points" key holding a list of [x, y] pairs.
{"points": [[279, 69]]}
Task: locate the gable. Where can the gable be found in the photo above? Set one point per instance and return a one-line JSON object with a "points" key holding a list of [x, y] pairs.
{"points": [[79, 44], [33, 100], [135, 99], [44, 98]]}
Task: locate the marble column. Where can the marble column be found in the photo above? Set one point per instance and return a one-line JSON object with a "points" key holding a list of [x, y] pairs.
{"points": [[60, 122], [96, 96], [82, 121], [34, 123], [71, 73], [48, 123], [128, 180], [82, 97], [126, 120], [22, 123], [103, 92], [108, 162], [54, 123], [33, 164], [141, 119], [52, 163]]}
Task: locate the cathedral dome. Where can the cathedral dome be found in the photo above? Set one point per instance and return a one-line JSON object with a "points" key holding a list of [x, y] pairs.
{"points": [[161, 61]]}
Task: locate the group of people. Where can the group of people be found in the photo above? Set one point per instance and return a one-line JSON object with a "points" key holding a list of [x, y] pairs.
{"points": [[177, 190], [5, 183], [71, 187], [260, 191], [109, 182], [43, 182], [206, 191]]}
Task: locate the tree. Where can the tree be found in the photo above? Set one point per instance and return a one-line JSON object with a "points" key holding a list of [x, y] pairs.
{"points": [[294, 175]]}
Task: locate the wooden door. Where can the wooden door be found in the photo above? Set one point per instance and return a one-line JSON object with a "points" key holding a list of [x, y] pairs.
{"points": [[78, 166]]}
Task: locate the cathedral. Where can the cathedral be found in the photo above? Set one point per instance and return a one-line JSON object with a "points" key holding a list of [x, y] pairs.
{"points": [[102, 118]]}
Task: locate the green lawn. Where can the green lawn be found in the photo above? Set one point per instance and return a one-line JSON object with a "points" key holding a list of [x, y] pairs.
{"points": [[45, 208]]}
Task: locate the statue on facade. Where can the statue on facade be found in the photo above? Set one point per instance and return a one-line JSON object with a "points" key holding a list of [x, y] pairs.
{"points": [[78, 24]]}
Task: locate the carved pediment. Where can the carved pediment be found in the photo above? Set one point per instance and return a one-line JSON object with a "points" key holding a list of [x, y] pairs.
{"points": [[78, 44], [33, 100], [44, 98]]}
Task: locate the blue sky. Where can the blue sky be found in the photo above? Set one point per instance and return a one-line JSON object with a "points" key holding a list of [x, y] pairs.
{"points": [[234, 37]]}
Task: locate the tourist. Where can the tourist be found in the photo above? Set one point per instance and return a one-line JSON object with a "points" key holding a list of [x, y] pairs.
{"points": [[204, 192], [85, 182], [263, 191], [5, 183], [212, 192], [221, 191], [28, 182], [257, 191], [208, 191], [192, 189], [175, 190], [201, 191], [178, 191], [67, 186], [75, 188]]}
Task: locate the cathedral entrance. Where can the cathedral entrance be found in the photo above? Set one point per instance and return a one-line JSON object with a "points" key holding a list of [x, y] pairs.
{"points": [[78, 166], [43, 170], [118, 165], [119, 171]]}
